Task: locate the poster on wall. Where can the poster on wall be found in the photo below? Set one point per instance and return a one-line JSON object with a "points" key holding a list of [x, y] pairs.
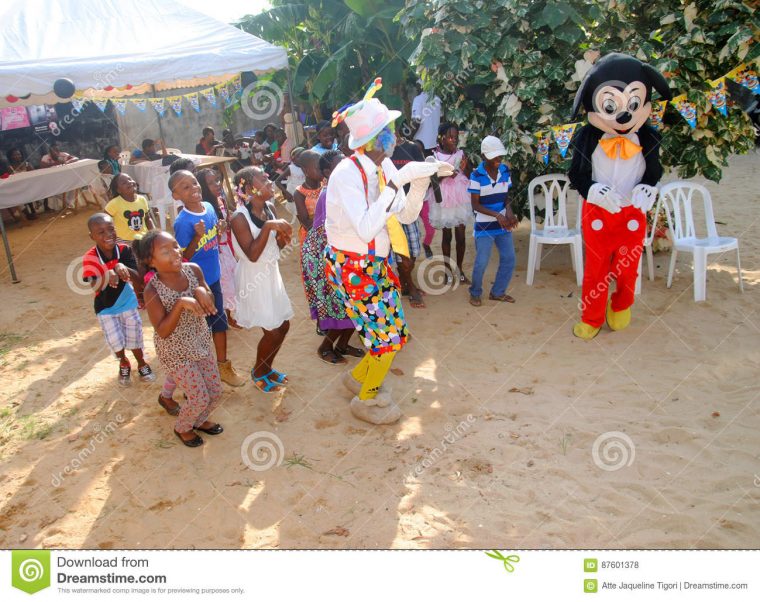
{"points": [[13, 118], [40, 116]]}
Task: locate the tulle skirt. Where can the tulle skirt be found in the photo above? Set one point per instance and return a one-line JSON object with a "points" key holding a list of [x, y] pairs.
{"points": [[455, 208]]}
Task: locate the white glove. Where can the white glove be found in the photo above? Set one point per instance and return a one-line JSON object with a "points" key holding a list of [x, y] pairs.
{"points": [[444, 169], [605, 197], [414, 198], [643, 197], [414, 170]]}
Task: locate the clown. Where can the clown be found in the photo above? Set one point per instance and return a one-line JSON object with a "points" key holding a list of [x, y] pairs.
{"points": [[366, 206], [615, 168]]}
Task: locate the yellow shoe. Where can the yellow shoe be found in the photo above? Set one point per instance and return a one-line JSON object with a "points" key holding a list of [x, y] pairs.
{"points": [[585, 331], [229, 376], [618, 320]]}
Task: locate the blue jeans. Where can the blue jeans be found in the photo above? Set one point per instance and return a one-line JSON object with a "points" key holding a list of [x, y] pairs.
{"points": [[506, 250]]}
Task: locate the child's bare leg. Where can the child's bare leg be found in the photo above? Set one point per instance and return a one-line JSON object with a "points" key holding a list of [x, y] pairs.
{"points": [[220, 345], [267, 349], [138, 353], [461, 246], [446, 245], [122, 357]]}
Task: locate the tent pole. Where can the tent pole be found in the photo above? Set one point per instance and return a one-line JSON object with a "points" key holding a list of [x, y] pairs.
{"points": [[292, 110], [158, 116], [14, 278]]}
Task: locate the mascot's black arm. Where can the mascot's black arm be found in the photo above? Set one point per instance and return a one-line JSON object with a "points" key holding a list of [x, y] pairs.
{"points": [[649, 140], [583, 144]]}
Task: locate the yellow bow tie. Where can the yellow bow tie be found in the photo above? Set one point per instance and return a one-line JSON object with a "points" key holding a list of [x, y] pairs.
{"points": [[396, 233], [627, 149]]}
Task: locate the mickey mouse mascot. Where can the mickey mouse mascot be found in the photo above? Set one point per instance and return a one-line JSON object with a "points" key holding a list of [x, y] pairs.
{"points": [[615, 168]]}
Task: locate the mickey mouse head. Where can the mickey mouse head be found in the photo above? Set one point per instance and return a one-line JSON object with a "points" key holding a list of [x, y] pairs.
{"points": [[135, 219]]}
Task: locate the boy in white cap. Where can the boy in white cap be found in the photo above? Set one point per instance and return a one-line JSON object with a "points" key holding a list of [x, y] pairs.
{"points": [[366, 206], [494, 221]]}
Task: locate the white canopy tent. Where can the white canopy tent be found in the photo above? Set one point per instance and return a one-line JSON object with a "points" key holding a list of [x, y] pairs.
{"points": [[130, 45]]}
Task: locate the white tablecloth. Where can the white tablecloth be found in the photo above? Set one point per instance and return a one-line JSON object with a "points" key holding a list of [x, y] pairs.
{"points": [[43, 183]]}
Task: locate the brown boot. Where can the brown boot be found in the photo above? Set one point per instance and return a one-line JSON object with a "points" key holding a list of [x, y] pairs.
{"points": [[228, 374]]}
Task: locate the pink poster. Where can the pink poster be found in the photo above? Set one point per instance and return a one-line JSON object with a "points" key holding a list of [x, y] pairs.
{"points": [[13, 118]]}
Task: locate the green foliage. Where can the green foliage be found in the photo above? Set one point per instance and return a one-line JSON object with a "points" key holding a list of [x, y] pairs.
{"points": [[336, 48], [511, 67]]}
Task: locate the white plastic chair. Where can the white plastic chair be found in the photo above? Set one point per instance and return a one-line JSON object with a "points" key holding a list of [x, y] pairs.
{"points": [[677, 200], [124, 157], [555, 230], [648, 240], [173, 151]]}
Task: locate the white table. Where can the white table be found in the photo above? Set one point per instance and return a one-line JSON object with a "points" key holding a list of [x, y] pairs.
{"points": [[153, 178], [29, 186]]}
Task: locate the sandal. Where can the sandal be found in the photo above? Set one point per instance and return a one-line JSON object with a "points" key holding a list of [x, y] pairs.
{"points": [[265, 385], [463, 279], [279, 377], [475, 301], [416, 301], [336, 357], [214, 429], [194, 442], [164, 403], [505, 297], [352, 351]]}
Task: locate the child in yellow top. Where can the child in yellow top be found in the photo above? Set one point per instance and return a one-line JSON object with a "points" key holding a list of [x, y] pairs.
{"points": [[129, 210]]}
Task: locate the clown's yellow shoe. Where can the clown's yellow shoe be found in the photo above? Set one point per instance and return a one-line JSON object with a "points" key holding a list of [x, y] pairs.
{"points": [[585, 331], [617, 320]]}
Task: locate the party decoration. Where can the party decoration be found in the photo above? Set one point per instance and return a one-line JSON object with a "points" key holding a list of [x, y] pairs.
{"points": [[210, 96], [563, 134], [140, 103], [658, 111], [64, 88], [194, 101], [101, 103], [77, 104], [121, 105], [717, 96], [687, 109], [158, 105], [746, 76], [175, 102], [224, 93], [542, 143]]}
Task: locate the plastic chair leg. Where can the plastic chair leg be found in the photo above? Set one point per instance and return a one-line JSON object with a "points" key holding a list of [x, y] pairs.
{"points": [[637, 289], [672, 267], [538, 256], [531, 260], [700, 275], [650, 261], [739, 270]]}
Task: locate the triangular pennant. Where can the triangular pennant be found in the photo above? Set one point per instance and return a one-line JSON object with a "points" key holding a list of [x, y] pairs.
{"points": [[140, 103], [542, 142], [194, 101], [237, 84], [121, 105], [77, 104], [210, 96], [159, 105], [746, 76], [658, 111], [225, 94], [563, 134], [175, 102], [717, 96], [687, 109], [101, 103]]}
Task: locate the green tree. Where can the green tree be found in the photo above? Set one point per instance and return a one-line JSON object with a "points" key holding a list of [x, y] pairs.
{"points": [[512, 67], [337, 47]]}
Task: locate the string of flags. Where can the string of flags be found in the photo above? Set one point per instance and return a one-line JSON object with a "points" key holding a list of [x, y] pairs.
{"points": [[228, 91], [744, 74]]}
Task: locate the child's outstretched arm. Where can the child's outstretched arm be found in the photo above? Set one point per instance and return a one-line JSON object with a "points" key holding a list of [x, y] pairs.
{"points": [[165, 322]]}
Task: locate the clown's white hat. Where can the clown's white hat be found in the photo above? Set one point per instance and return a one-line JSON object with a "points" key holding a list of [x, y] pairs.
{"points": [[366, 118]]}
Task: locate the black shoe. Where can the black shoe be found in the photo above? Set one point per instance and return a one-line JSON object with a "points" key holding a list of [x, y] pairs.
{"points": [[194, 442], [214, 430]]}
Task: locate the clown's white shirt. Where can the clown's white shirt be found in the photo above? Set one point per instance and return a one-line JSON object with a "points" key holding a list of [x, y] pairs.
{"points": [[620, 175], [351, 224]]}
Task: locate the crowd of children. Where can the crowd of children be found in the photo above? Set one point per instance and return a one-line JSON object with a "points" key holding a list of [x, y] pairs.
{"points": [[220, 267]]}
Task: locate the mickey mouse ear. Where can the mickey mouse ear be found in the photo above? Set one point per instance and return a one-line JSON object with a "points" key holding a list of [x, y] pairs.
{"points": [[658, 82]]}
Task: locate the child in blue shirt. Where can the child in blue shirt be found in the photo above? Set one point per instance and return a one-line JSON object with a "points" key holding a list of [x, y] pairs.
{"points": [[494, 221], [197, 232]]}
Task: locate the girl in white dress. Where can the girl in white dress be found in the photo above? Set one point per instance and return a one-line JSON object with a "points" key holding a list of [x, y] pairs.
{"points": [[261, 299]]}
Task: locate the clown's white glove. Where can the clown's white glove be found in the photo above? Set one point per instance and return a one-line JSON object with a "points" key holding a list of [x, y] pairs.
{"points": [[418, 169], [444, 169], [414, 199], [605, 197], [643, 197]]}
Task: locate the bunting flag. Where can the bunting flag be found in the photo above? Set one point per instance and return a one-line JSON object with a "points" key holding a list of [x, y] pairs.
{"points": [[140, 103], [746, 76], [77, 104], [121, 105], [101, 103], [194, 101], [687, 109], [224, 93], [210, 96], [158, 105], [175, 102], [658, 111], [237, 84], [563, 134], [717, 96], [542, 143]]}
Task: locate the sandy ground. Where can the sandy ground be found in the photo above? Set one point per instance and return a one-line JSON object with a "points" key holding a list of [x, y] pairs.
{"points": [[502, 407]]}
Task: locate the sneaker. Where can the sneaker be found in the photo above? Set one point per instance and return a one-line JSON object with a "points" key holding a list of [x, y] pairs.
{"points": [[146, 374], [124, 371]]}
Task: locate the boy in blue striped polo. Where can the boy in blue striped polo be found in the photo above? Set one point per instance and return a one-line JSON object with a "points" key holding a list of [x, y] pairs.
{"points": [[494, 221]]}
